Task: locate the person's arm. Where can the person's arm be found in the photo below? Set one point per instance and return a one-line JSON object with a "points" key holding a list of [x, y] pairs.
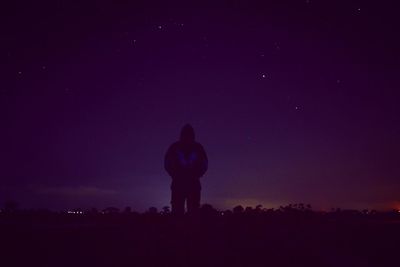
{"points": [[168, 161], [204, 161]]}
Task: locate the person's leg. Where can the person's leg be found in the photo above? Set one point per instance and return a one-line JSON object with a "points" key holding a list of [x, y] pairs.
{"points": [[177, 199], [193, 197]]}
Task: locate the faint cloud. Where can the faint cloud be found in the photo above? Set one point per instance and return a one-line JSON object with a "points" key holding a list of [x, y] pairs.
{"points": [[82, 191]]}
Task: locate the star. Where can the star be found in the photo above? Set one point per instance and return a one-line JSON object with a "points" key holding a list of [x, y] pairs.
{"points": [[264, 76], [159, 27]]}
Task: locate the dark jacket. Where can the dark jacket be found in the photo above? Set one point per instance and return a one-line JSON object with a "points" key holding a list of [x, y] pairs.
{"points": [[186, 160]]}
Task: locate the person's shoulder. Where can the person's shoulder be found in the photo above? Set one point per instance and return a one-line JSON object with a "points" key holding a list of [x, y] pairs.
{"points": [[173, 146], [198, 145]]}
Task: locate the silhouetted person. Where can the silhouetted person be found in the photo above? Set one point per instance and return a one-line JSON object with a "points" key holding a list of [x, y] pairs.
{"points": [[186, 161]]}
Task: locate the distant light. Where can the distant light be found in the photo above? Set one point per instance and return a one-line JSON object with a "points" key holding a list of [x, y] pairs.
{"points": [[398, 211], [264, 76], [159, 27], [19, 72]]}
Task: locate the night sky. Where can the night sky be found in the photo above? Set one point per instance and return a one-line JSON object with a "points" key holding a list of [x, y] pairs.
{"points": [[294, 101]]}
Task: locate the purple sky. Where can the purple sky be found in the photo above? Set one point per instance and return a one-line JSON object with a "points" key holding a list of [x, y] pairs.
{"points": [[294, 101]]}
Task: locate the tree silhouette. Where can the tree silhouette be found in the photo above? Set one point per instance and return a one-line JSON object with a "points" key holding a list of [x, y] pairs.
{"points": [[152, 210], [11, 206], [238, 209], [111, 210], [166, 210]]}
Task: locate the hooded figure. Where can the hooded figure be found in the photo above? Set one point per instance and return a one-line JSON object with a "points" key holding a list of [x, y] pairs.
{"points": [[186, 161]]}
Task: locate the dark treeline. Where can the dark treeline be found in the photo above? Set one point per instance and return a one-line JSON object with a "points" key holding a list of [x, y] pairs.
{"points": [[12, 208]]}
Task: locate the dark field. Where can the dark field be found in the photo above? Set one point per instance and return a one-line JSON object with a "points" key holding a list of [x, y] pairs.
{"points": [[268, 238]]}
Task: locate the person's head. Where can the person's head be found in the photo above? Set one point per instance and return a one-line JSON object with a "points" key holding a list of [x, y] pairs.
{"points": [[187, 134]]}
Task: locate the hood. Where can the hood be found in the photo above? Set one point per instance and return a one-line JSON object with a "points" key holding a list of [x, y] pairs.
{"points": [[187, 134]]}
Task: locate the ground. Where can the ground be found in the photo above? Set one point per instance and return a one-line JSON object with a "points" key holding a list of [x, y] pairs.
{"points": [[264, 239]]}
